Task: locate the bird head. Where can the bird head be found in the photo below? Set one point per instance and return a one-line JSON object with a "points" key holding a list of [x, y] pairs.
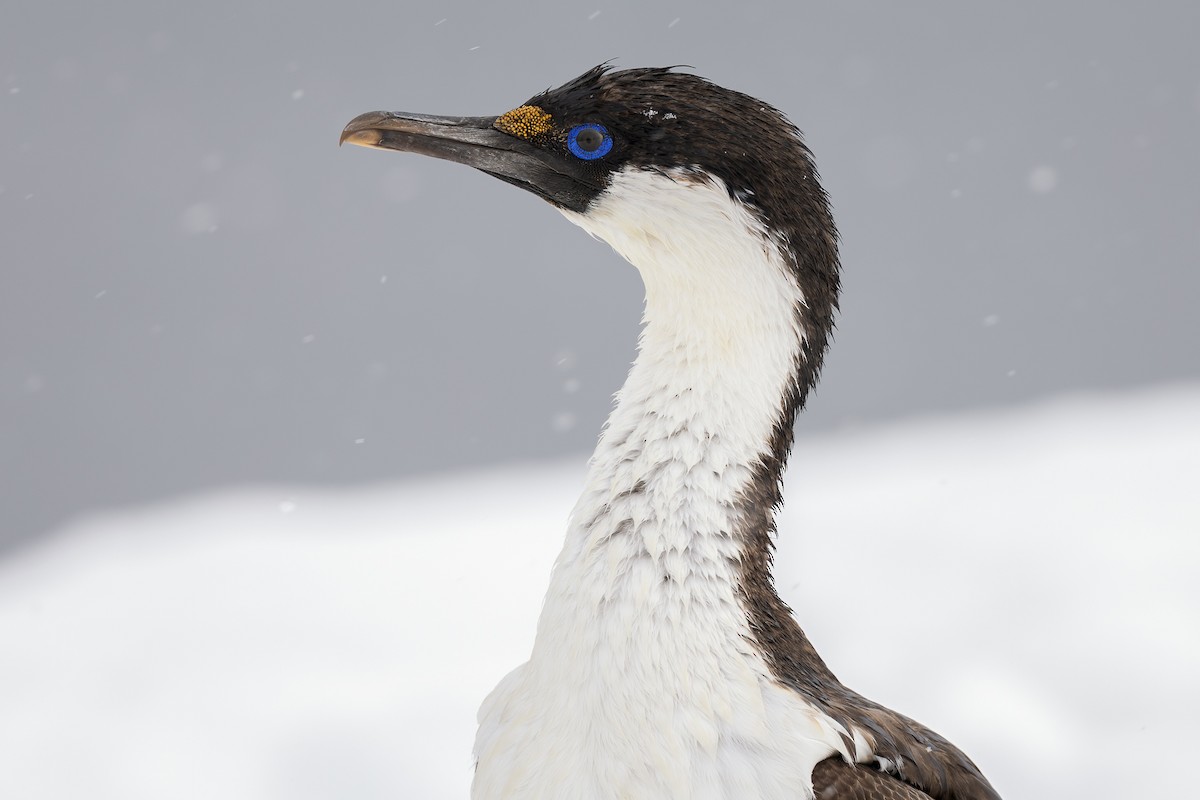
{"points": [[569, 145]]}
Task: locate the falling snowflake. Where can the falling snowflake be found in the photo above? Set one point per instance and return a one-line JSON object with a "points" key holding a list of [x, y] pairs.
{"points": [[1043, 179]]}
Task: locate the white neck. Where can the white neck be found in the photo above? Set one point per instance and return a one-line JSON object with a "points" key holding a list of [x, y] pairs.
{"points": [[644, 681], [717, 353]]}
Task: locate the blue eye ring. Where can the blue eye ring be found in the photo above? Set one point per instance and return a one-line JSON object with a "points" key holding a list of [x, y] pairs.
{"points": [[589, 129]]}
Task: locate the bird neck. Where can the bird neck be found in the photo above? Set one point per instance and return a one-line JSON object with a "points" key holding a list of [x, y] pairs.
{"points": [[650, 675], [684, 481]]}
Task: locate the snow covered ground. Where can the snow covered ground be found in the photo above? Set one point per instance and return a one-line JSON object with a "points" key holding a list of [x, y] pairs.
{"points": [[1025, 582]]}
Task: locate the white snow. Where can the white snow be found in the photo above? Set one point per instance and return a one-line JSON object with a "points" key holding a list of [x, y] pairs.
{"points": [[1025, 582]]}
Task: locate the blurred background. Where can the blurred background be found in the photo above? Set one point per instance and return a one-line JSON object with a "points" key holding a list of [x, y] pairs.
{"points": [[200, 290], [244, 375]]}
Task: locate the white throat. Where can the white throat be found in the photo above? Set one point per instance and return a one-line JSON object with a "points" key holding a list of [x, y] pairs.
{"points": [[644, 682]]}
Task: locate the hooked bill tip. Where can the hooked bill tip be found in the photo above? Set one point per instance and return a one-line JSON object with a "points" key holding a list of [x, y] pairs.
{"points": [[363, 130], [364, 138]]}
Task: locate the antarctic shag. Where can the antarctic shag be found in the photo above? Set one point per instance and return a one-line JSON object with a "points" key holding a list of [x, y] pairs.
{"points": [[665, 664]]}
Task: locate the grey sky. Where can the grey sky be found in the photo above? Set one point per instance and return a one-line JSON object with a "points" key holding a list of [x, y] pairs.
{"points": [[200, 289]]}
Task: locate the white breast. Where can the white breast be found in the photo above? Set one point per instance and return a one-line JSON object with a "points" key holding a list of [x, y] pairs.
{"points": [[645, 682]]}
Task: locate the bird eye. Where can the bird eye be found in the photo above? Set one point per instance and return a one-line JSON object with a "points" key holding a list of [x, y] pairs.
{"points": [[589, 141]]}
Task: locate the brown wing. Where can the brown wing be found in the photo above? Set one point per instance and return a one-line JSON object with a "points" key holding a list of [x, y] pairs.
{"points": [[834, 779]]}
